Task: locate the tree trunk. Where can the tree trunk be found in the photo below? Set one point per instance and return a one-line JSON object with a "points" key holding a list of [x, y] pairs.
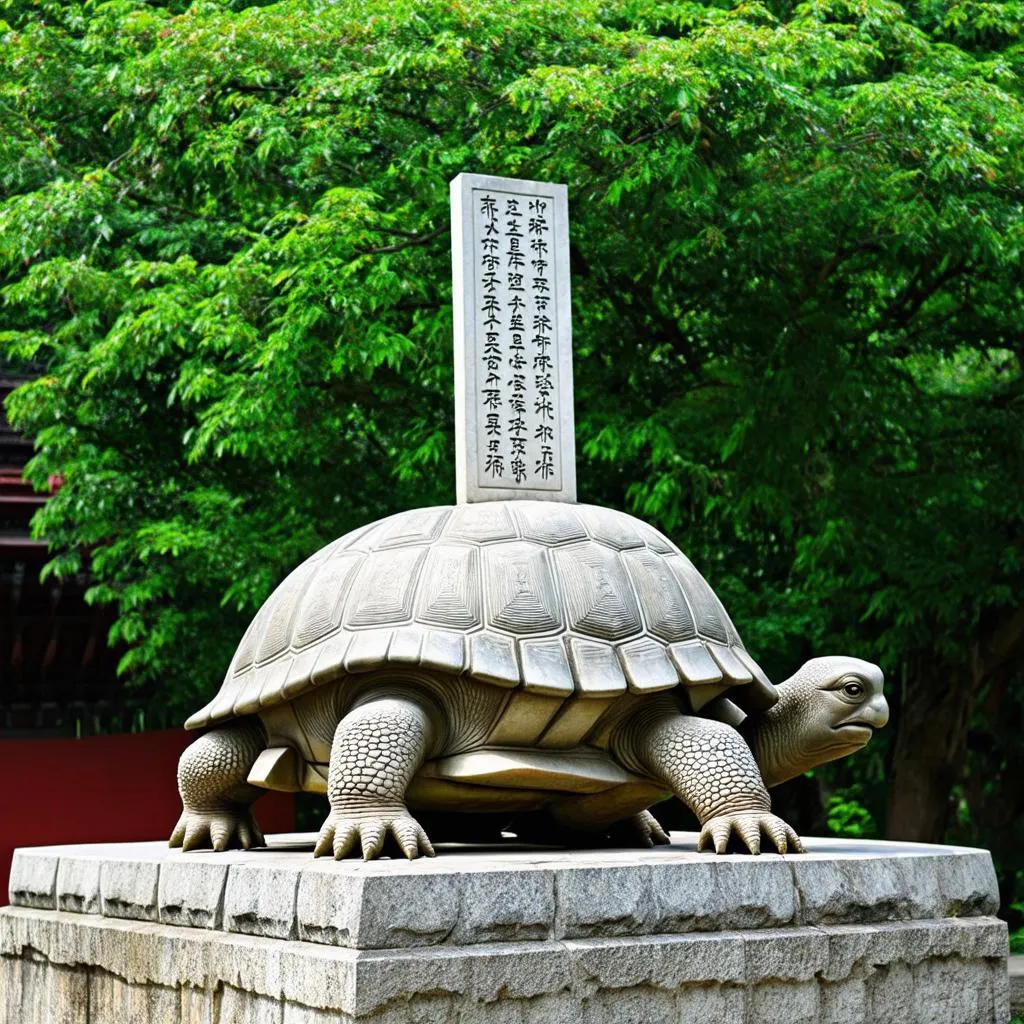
{"points": [[931, 738], [929, 751]]}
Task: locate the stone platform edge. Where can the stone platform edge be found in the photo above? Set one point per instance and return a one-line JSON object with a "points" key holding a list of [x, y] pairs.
{"points": [[468, 897], [86, 969]]}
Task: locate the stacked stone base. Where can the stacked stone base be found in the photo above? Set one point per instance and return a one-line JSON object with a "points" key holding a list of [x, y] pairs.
{"points": [[850, 932]]}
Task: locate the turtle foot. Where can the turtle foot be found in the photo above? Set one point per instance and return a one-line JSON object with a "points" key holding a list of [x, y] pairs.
{"points": [[347, 830], [748, 826], [220, 829], [641, 830]]}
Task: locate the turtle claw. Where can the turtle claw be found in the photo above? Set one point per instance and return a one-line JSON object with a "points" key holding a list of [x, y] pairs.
{"points": [[344, 829], [641, 830], [749, 826], [218, 829]]}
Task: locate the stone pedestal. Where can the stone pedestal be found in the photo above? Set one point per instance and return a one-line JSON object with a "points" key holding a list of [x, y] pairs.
{"points": [[850, 931]]}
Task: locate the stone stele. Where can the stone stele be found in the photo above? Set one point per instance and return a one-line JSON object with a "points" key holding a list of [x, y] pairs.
{"points": [[867, 932], [514, 434]]}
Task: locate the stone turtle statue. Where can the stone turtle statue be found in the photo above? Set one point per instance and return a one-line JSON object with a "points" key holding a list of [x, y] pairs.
{"points": [[520, 657]]}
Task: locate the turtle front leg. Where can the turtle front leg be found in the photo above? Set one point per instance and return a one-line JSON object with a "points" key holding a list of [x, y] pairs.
{"points": [[711, 769], [216, 799], [378, 747]]}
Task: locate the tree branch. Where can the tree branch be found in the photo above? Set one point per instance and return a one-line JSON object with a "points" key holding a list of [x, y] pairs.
{"points": [[413, 240]]}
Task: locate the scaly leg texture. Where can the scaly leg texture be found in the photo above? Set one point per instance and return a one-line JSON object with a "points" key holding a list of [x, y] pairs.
{"points": [[216, 798], [378, 747], [711, 769]]}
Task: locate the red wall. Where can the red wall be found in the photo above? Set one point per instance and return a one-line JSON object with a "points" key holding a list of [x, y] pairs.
{"points": [[104, 789]]}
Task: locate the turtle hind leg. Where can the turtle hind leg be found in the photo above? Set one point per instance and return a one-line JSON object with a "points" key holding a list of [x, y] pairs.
{"points": [[574, 823], [710, 768], [216, 799], [378, 747], [643, 830]]}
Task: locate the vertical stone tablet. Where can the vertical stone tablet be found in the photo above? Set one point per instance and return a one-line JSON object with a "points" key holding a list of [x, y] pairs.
{"points": [[514, 433]]}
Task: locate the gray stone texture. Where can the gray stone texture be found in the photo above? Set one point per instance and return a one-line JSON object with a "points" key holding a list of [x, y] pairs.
{"points": [[1017, 986], [850, 932]]}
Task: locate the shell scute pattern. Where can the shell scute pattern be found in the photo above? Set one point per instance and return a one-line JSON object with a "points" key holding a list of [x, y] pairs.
{"points": [[420, 526], [323, 603], [484, 523], [663, 599], [444, 650], [708, 611], [450, 592], [554, 598], [277, 628], [546, 668], [549, 523], [611, 528], [520, 589], [382, 592], [647, 666], [599, 599], [598, 670], [493, 659]]}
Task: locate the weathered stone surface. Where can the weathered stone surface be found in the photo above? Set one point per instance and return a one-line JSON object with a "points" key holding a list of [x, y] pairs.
{"points": [[775, 1000], [192, 894], [240, 1007], [295, 1014], [260, 899], [492, 910], [129, 889], [33, 880], [78, 884], [1016, 987], [399, 910], [285, 893], [661, 960], [196, 1006], [738, 892], [913, 883], [665, 977], [613, 900], [844, 1001], [527, 936], [788, 954], [140, 1004]]}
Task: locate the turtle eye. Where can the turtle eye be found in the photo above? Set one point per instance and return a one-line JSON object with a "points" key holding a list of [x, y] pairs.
{"points": [[853, 690]]}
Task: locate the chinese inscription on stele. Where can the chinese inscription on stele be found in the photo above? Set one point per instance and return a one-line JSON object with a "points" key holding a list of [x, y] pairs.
{"points": [[513, 340]]}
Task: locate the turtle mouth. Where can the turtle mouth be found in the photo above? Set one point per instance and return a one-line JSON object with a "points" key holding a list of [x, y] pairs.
{"points": [[854, 731]]}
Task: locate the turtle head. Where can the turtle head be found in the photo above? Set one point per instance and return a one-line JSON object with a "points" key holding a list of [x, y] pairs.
{"points": [[828, 709]]}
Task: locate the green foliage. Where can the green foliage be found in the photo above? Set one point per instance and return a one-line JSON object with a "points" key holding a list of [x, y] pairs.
{"points": [[797, 236], [847, 815]]}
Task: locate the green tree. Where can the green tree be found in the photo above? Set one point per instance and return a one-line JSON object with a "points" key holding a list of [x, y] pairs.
{"points": [[797, 237]]}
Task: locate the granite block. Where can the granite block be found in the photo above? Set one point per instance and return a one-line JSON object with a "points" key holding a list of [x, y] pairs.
{"points": [[192, 894], [260, 899], [128, 888], [78, 884], [33, 880]]}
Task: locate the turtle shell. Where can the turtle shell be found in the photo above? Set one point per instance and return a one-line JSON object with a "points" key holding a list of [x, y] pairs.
{"points": [[553, 598]]}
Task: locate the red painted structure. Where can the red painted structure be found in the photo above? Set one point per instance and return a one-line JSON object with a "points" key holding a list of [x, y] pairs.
{"points": [[58, 677], [102, 789], [57, 674]]}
